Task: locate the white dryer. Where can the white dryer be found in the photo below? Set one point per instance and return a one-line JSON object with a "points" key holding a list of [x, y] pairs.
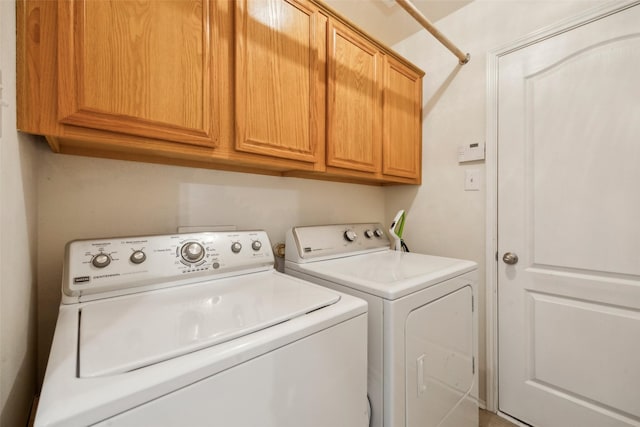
{"points": [[199, 330], [422, 337]]}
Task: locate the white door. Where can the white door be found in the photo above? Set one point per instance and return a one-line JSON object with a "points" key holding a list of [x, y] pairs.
{"points": [[569, 208]]}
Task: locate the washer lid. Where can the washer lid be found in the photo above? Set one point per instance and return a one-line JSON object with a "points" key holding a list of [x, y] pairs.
{"points": [[126, 333], [388, 274]]}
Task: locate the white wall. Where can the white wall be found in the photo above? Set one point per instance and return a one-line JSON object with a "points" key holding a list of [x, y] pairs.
{"points": [[83, 197], [17, 242], [443, 219]]}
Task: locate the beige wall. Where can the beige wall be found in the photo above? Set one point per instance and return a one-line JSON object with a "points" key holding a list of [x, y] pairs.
{"points": [[444, 219], [17, 243], [83, 197]]}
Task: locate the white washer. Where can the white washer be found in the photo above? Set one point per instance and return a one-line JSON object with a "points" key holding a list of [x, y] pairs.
{"points": [[199, 330], [422, 322]]}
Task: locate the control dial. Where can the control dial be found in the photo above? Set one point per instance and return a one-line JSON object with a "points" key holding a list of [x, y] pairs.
{"points": [[350, 235], [256, 245], [236, 247], [378, 232], [192, 252], [101, 260], [368, 234], [138, 257]]}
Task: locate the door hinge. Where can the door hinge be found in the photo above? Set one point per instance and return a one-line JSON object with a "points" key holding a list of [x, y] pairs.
{"points": [[496, 256], [473, 365], [472, 304]]}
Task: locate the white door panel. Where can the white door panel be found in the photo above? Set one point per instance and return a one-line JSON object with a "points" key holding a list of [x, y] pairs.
{"points": [[561, 365], [580, 214], [569, 207]]}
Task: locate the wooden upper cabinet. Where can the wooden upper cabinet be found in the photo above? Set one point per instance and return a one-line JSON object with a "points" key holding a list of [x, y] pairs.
{"points": [[354, 101], [402, 123], [280, 79], [139, 67], [284, 87]]}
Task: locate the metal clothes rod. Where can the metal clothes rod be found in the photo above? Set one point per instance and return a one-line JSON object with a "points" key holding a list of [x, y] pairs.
{"points": [[418, 16]]}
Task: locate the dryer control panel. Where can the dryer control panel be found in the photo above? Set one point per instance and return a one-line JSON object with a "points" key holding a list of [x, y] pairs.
{"points": [[314, 243], [95, 269]]}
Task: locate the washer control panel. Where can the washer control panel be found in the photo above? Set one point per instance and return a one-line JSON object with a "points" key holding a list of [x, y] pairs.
{"points": [[326, 241], [95, 269]]}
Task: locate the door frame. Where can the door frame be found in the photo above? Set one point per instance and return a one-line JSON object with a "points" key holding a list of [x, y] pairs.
{"points": [[491, 164]]}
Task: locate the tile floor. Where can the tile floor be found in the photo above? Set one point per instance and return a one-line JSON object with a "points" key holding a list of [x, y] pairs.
{"points": [[489, 419]]}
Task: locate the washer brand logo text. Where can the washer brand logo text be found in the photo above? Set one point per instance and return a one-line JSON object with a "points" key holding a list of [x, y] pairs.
{"points": [[106, 275], [81, 279]]}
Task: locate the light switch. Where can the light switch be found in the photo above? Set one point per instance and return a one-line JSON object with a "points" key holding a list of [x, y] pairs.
{"points": [[472, 180]]}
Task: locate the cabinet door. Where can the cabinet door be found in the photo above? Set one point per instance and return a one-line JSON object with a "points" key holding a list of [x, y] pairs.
{"points": [[354, 101], [402, 143], [280, 89], [138, 67]]}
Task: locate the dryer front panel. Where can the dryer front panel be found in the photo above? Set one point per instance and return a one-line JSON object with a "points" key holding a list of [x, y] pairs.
{"points": [[439, 363]]}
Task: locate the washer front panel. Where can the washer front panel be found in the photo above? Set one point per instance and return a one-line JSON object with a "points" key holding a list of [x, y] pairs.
{"points": [[298, 385]]}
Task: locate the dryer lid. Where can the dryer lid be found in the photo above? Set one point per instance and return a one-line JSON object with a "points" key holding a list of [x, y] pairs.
{"points": [[126, 333], [388, 274]]}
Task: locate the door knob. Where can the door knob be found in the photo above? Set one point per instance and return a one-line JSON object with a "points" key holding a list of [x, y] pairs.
{"points": [[510, 258]]}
